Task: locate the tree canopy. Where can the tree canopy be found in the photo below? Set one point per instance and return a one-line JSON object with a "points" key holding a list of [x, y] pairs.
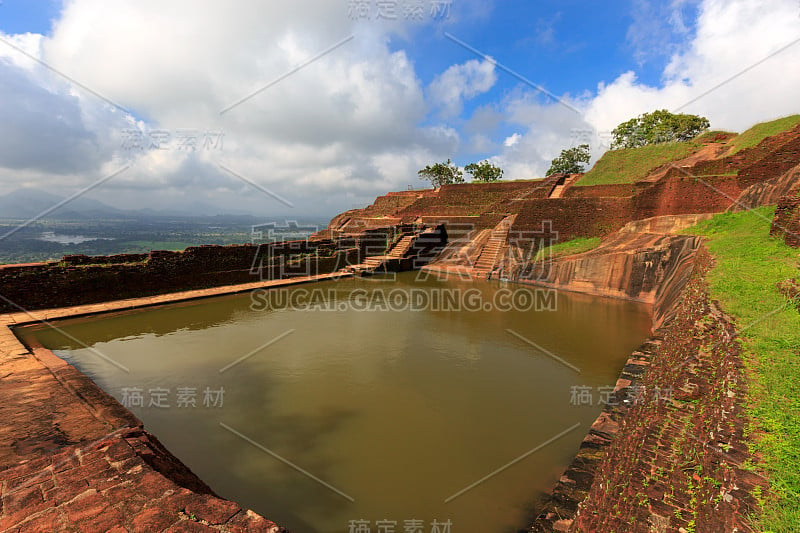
{"points": [[570, 161], [442, 174], [484, 171], [657, 127]]}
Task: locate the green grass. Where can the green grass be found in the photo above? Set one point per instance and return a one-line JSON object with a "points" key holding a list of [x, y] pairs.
{"points": [[628, 165], [574, 246], [759, 132], [709, 135], [749, 263], [146, 246]]}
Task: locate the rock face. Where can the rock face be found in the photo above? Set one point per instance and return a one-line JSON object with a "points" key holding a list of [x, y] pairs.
{"points": [[635, 266], [768, 192]]}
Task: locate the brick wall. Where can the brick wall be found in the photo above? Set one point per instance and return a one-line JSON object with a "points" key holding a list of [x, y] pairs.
{"points": [[786, 223], [81, 280], [682, 195], [599, 191], [573, 217]]}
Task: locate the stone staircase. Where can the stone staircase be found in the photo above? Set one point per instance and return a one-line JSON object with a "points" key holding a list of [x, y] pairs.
{"points": [[374, 262], [490, 254], [558, 190], [488, 258], [377, 262], [400, 249]]}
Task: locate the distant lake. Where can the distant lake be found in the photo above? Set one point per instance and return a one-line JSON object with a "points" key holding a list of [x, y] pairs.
{"points": [[50, 236]]}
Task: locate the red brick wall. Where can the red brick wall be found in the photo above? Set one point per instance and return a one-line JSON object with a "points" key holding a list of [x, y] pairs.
{"points": [[776, 163], [573, 217], [600, 191], [684, 195], [82, 280], [786, 223]]}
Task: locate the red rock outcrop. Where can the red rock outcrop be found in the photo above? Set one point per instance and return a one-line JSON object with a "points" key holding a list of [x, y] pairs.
{"points": [[645, 267]]}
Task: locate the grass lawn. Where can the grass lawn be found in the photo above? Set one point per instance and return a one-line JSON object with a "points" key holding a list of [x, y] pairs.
{"points": [[628, 165], [574, 246], [749, 263], [759, 132]]}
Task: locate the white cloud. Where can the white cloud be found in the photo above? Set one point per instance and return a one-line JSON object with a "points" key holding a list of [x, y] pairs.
{"points": [[346, 127], [660, 28], [512, 140], [461, 82], [348, 123], [732, 39]]}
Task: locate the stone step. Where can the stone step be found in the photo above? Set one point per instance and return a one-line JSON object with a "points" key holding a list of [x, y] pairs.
{"points": [[403, 245]]}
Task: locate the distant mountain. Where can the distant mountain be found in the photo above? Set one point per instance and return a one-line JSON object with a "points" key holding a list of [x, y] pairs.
{"points": [[28, 203]]}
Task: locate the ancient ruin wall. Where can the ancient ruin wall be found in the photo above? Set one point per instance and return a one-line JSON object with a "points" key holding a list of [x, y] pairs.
{"points": [[600, 191], [681, 195], [573, 217], [631, 470], [786, 223], [78, 280]]}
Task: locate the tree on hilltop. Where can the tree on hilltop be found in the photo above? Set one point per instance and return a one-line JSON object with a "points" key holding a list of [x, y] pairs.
{"points": [[660, 126], [570, 161], [484, 171], [442, 174]]}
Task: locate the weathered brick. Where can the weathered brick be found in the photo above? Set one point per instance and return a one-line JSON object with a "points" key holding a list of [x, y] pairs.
{"points": [[67, 491], [154, 519], [188, 526], [87, 506], [101, 522], [51, 520]]}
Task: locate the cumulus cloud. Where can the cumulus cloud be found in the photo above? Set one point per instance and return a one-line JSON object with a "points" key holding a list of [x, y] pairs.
{"points": [[512, 140], [461, 82], [739, 68], [344, 126], [543, 130], [49, 132], [348, 126]]}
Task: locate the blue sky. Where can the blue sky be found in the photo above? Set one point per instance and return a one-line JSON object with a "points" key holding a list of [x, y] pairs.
{"points": [[365, 117]]}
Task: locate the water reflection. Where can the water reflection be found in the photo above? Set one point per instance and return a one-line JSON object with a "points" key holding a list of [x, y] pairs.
{"points": [[397, 409]]}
